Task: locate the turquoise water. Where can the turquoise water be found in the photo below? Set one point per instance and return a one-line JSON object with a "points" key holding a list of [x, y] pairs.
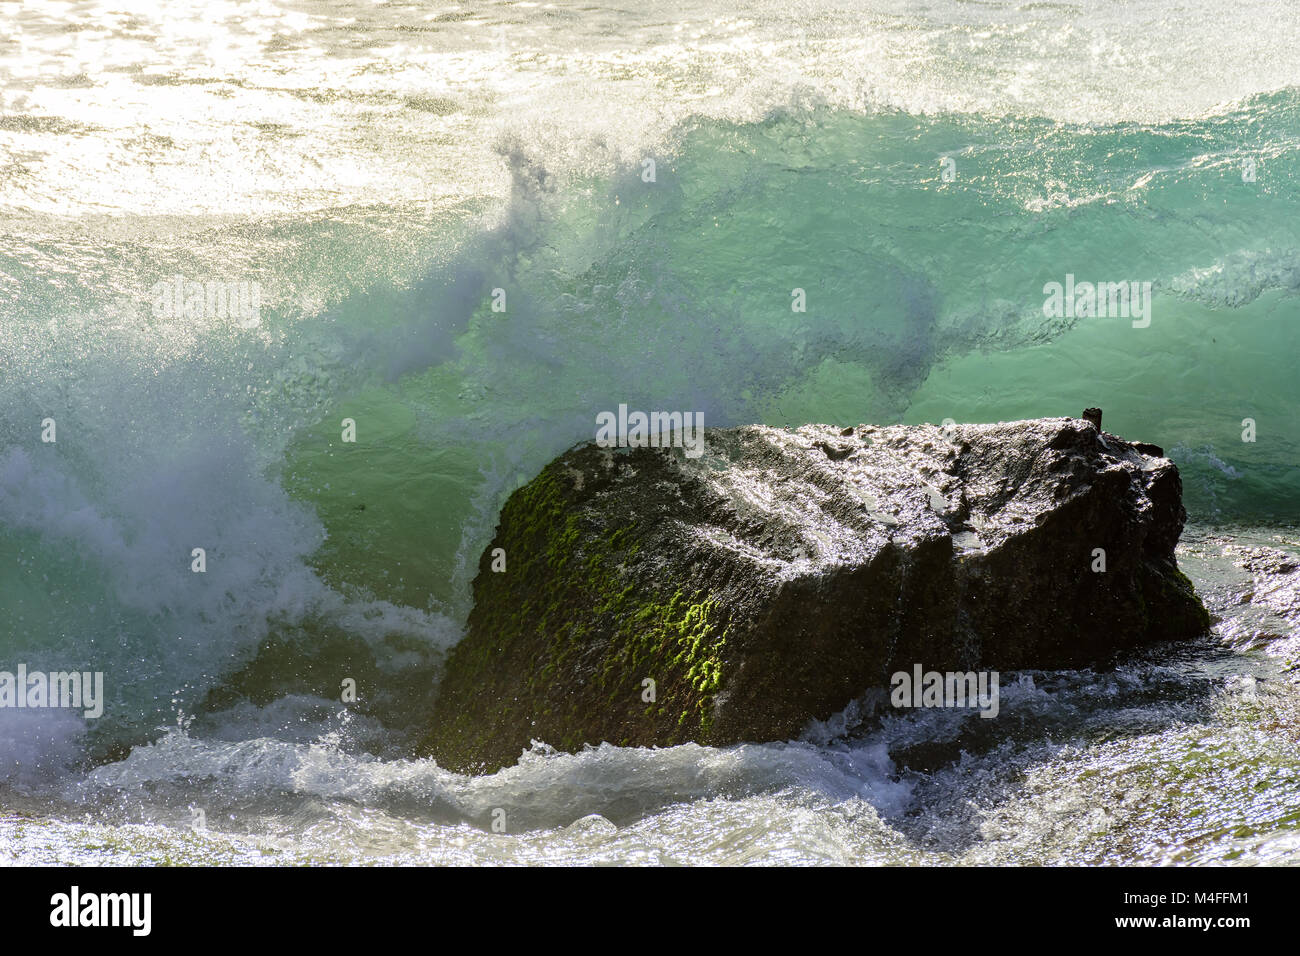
{"points": [[381, 170]]}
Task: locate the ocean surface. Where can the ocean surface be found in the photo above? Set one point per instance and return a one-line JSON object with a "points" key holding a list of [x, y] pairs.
{"points": [[647, 184]]}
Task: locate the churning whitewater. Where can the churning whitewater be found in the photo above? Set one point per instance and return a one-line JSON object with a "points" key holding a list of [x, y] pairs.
{"points": [[231, 235]]}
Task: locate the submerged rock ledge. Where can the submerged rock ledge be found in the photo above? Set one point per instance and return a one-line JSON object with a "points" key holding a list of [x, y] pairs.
{"points": [[783, 573]]}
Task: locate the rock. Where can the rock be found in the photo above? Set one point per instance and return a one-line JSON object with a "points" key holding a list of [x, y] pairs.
{"points": [[783, 573]]}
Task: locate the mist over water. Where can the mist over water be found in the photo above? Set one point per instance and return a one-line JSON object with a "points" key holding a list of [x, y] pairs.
{"points": [[380, 170]]}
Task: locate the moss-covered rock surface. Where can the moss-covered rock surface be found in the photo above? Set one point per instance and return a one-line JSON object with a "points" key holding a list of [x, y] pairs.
{"points": [[649, 598]]}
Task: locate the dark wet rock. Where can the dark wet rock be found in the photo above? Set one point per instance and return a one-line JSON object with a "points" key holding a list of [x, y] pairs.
{"points": [[1274, 599], [1268, 563], [783, 573]]}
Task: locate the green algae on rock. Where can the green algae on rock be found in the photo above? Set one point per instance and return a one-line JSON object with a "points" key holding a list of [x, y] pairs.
{"points": [[654, 599]]}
